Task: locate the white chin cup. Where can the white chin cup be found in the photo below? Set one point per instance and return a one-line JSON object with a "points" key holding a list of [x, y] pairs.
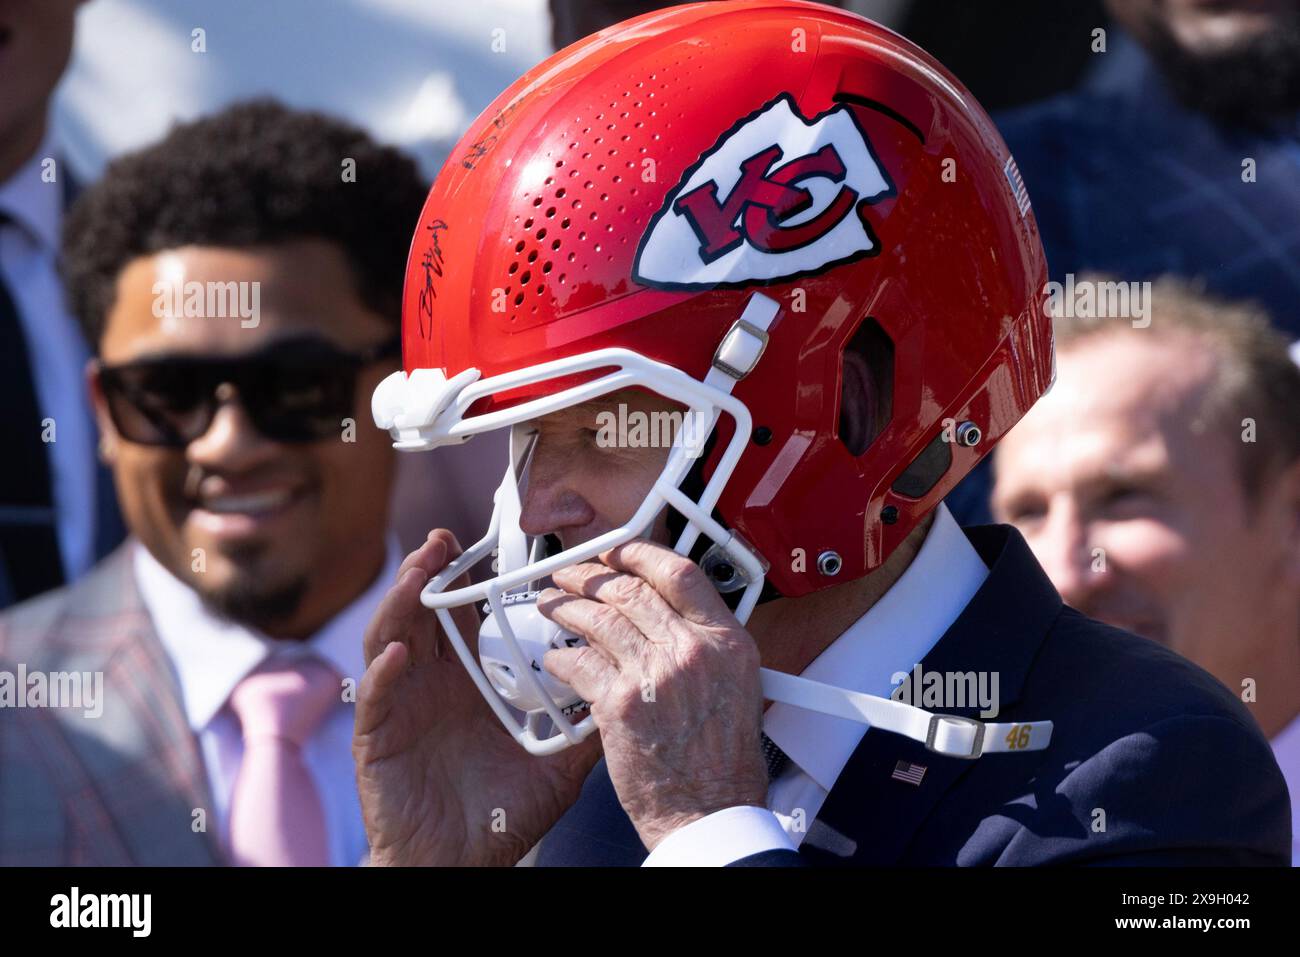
{"points": [[535, 635]]}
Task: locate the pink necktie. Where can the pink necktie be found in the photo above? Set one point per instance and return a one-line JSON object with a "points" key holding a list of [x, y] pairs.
{"points": [[276, 818]]}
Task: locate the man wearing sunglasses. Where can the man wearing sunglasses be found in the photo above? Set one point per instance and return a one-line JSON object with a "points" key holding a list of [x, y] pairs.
{"points": [[226, 632]]}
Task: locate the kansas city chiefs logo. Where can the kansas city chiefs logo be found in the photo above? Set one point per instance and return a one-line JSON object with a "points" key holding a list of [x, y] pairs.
{"points": [[778, 196]]}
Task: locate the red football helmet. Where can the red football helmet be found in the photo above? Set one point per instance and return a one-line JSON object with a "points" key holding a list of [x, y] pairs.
{"points": [[715, 202]]}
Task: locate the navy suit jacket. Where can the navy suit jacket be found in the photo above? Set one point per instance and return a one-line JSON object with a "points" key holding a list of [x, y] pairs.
{"points": [[109, 529], [1152, 761]]}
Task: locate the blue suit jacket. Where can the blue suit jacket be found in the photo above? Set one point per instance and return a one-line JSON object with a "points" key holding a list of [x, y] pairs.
{"points": [[1152, 761]]}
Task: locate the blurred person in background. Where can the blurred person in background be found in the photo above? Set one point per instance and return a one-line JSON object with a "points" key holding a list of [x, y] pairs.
{"points": [[1180, 153], [1158, 484], [227, 629], [975, 41], [57, 511]]}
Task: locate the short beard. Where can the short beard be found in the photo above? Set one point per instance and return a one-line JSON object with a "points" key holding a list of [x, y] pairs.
{"points": [[250, 603], [1252, 84], [250, 600]]}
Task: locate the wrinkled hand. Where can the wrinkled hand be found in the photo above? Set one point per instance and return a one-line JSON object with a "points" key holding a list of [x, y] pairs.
{"points": [[440, 779], [672, 678]]}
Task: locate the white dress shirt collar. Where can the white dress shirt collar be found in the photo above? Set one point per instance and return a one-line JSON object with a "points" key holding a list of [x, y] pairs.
{"points": [[211, 655], [895, 633], [32, 203]]}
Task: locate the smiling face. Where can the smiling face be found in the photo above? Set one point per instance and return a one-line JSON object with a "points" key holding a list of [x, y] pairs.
{"points": [[1131, 498], [278, 535], [586, 477]]}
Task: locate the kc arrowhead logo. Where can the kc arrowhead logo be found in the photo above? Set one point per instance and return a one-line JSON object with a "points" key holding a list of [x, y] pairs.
{"points": [[777, 197]]}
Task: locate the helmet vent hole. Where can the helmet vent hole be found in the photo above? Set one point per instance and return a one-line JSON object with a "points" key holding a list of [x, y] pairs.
{"points": [[867, 394]]}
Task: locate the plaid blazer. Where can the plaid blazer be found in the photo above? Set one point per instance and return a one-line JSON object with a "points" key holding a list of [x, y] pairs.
{"points": [[125, 787]]}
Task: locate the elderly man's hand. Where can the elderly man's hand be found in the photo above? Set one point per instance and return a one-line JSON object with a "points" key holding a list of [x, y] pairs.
{"points": [[440, 780], [672, 678]]}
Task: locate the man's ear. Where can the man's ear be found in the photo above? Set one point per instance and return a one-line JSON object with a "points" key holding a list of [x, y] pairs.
{"points": [[108, 437], [859, 404]]}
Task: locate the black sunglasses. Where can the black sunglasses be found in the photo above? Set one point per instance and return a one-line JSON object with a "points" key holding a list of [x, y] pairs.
{"points": [[296, 390]]}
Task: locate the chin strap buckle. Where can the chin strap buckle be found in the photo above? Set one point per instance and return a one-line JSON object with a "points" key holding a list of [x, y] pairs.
{"points": [[977, 742], [741, 348]]}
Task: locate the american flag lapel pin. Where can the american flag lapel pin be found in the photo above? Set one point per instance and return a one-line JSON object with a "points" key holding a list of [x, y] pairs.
{"points": [[909, 772]]}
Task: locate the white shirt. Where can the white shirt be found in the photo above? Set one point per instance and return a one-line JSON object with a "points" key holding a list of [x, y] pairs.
{"points": [[1286, 749], [211, 655], [29, 248], [895, 633]]}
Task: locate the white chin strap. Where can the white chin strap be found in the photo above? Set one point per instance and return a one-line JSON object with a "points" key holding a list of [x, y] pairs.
{"points": [[427, 410]]}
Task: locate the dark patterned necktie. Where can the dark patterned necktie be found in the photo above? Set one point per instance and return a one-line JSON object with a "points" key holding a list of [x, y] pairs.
{"points": [[29, 546], [776, 758]]}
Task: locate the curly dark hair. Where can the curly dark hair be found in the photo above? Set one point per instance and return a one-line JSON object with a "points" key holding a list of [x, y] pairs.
{"points": [[255, 173]]}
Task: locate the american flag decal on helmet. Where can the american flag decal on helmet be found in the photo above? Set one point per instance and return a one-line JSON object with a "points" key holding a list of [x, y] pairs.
{"points": [[1017, 184]]}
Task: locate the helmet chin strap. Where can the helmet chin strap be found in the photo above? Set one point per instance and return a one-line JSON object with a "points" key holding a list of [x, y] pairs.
{"points": [[737, 355], [512, 543]]}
